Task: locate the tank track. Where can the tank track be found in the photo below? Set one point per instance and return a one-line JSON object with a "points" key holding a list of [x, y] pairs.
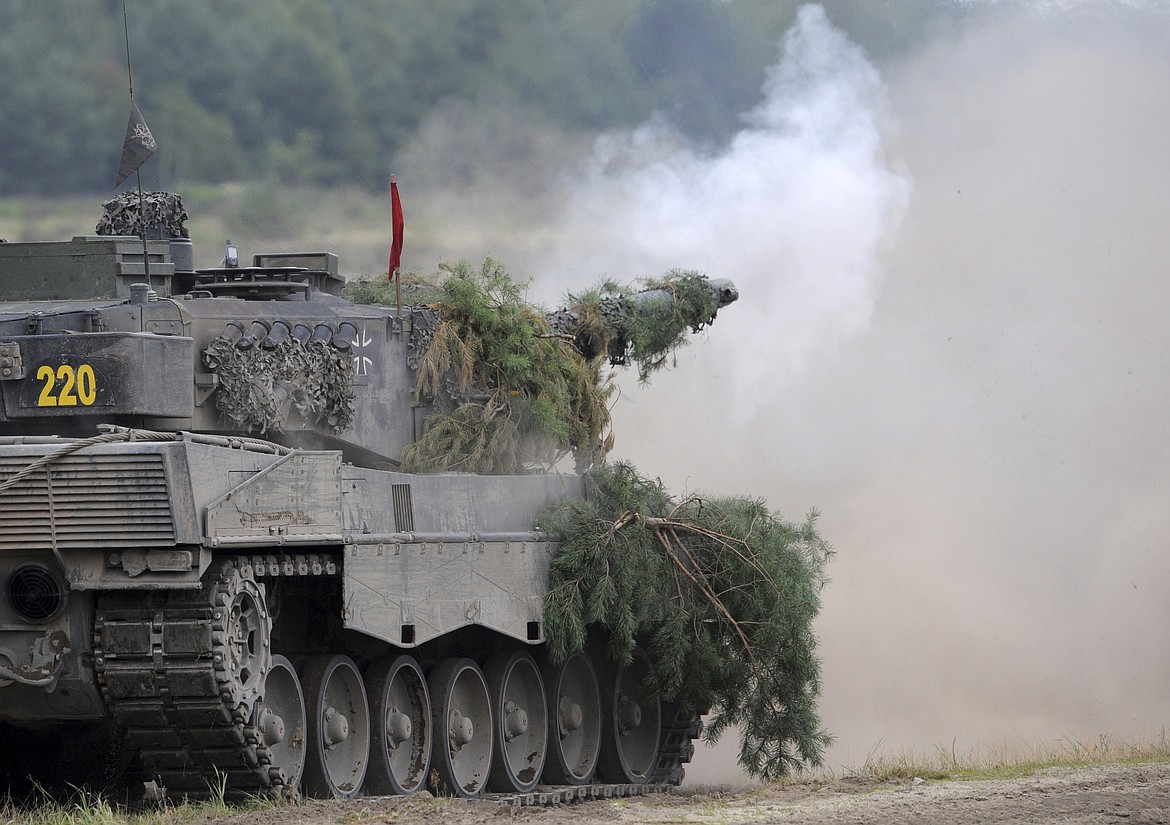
{"points": [[165, 665], [680, 730], [546, 796]]}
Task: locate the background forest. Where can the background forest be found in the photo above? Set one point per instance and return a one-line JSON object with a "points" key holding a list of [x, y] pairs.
{"points": [[325, 92]]}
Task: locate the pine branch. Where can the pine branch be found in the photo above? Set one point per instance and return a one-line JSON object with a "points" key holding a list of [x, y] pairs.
{"points": [[705, 589], [720, 592]]}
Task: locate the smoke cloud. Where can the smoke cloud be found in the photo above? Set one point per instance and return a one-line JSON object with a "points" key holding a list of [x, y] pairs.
{"points": [[952, 340], [1001, 513]]}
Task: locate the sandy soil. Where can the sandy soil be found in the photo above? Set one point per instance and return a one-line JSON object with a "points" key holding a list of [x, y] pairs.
{"points": [[1101, 794]]}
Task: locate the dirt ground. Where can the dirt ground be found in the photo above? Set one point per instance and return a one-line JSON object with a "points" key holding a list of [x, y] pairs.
{"points": [[1100, 794]]}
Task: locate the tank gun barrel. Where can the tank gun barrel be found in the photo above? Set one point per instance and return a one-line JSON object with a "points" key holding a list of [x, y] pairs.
{"points": [[723, 290], [613, 323]]}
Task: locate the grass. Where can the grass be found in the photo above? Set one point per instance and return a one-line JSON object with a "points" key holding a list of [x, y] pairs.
{"points": [[87, 808], [439, 807], [1010, 760]]}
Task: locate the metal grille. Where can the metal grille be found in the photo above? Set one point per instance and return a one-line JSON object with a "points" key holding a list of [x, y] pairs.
{"points": [[35, 593], [403, 508], [87, 501]]}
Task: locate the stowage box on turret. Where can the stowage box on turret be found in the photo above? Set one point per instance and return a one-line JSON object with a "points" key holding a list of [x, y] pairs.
{"points": [[213, 574]]}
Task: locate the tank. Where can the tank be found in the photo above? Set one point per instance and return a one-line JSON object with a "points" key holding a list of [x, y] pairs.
{"points": [[216, 577]]}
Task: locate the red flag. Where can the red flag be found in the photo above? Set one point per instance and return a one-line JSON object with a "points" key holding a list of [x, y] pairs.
{"points": [[397, 225]]}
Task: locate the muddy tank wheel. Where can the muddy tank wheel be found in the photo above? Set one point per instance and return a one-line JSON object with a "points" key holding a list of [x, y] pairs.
{"points": [[631, 724], [519, 722], [400, 733], [574, 721], [279, 722], [338, 727], [461, 751]]}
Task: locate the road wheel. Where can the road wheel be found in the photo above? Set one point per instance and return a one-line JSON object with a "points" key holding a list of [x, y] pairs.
{"points": [[461, 752], [400, 744], [279, 721], [574, 721], [631, 724], [338, 727], [520, 733]]}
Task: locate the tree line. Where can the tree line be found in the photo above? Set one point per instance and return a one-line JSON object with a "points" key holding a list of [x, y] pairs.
{"points": [[326, 91]]}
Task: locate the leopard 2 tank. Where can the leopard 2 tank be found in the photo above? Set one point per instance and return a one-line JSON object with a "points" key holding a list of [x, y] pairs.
{"points": [[216, 576]]}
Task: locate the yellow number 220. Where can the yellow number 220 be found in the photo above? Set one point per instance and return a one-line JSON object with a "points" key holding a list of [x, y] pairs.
{"points": [[67, 386]]}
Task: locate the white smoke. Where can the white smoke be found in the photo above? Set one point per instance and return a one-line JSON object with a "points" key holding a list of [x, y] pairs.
{"points": [[999, 435], [792, 210]]}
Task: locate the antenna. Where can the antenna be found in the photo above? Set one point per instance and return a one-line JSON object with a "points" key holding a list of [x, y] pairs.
{"points": [[126, 30], [138, 168]]}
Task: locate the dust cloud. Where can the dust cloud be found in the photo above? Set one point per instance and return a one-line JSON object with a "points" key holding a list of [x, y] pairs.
{"points": [[952, 340]]}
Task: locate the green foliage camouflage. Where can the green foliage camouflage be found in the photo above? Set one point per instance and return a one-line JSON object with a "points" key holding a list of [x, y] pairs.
{"points": [[516, 387], [510, 393], [721, 592], [417, 290], [641, 327]]}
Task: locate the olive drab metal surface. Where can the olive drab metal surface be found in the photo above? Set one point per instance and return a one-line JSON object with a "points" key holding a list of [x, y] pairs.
{"points": [[213, 572]]}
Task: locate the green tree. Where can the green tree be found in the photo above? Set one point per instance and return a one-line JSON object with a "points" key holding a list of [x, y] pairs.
{"points": [[198, 144], [308, 90], [689, 53], [327, 91], [57, 102]]}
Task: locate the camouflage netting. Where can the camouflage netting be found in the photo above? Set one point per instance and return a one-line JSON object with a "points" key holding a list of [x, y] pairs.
{"points": [[163, 211], [516, 387], [722, 593], [259, 387]]}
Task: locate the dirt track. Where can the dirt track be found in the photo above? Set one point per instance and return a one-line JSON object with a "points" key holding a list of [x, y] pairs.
{"points": [[1102, 794]]}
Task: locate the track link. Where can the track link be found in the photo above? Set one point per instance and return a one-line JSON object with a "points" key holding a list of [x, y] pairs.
{"points": [[547, 796], [679, 730]]}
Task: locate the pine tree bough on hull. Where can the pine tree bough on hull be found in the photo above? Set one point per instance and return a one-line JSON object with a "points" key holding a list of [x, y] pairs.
{"points": [[720, 591], [666, 531]]}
